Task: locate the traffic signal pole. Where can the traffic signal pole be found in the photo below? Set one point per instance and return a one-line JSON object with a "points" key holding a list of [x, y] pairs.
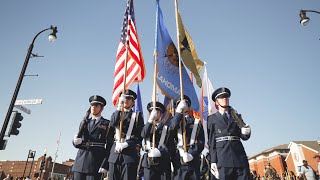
{"points": [[31, 154], [25, 167], [43, 164], [15, 94], [16, 91]]}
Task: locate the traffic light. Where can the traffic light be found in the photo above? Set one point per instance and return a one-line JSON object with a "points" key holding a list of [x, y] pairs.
{"points": [[31, 154], [3, 144], [15, 124], [42, 165]]}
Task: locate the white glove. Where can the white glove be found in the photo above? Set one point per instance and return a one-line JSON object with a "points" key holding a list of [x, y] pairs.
{"points": [[187, 157], [205, 151], [102, 170], [153, 116], [117, 147], [121, 100], [121, 146], [76, 140], [154, 153], [182, 106], [181, 152], [214, 170], [246, 130]]}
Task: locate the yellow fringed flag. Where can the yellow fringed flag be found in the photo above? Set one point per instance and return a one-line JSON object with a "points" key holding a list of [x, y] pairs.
{"points": [[188, 52]]}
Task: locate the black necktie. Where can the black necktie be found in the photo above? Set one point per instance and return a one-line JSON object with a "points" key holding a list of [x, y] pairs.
{"points": [[225, 117], [93, 122]]}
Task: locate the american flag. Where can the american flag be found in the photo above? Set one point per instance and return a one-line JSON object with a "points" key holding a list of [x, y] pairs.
{"points": [[135, 64]]}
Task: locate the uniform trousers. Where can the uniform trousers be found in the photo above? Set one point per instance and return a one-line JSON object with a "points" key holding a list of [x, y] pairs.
{"points": [[122, 171], [156, 173], [233, 173], [186, 173], [86, 176]]}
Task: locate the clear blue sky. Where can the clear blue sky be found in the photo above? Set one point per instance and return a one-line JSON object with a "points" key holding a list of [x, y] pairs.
{"points": [[256, 48]]}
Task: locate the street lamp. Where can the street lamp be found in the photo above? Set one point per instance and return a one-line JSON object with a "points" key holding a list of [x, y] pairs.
{"points": [[52, 37], [304, 20]]}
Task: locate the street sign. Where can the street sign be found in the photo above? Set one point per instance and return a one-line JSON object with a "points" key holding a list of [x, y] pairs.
{"points": [[28, 101], [23, 108]]}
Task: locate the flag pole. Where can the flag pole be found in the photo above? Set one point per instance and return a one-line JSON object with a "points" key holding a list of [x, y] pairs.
{"points": [[155, 54], [207, 80], [55, 155], [124, 83], [154, 99], [208, 106], [183, 123]]}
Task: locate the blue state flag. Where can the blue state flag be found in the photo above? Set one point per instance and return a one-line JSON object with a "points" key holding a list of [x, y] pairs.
{"points": [[138, 103], [168, 65]]}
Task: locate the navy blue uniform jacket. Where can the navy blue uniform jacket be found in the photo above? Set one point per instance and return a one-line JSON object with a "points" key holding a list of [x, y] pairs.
{"points": [[165, 158], [89, 159], [195, 150], [129, 154], [226, 153]]}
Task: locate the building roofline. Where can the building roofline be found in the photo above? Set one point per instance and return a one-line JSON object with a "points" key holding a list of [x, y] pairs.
{"points": [[279, 147]]}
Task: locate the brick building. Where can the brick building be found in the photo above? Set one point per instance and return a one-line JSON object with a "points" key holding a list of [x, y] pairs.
{"points": [[285, 158], [32, 169], [302, 150], [275, 156]]}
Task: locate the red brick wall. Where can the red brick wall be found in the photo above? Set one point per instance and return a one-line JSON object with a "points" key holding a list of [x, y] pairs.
{"points": [[290, 165], [308, 155], [278, 164], [259, 166], [16, 168]]}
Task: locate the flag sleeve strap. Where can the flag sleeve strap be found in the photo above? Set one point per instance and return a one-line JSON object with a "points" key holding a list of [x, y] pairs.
{"points": [[197, 148], [135, 138]]}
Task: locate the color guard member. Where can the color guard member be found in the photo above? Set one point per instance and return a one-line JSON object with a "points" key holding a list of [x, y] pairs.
{"points": [[227, 155], [92, 141], [123, 159], [156, 162], [186, 164]]}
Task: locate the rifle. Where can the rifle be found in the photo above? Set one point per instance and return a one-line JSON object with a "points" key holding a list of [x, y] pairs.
{"points": [[84, 124], [237, 117]]}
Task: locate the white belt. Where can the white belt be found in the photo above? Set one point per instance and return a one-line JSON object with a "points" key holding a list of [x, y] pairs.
{"points": [[128, 135], [193, 133], [227, 138], [162, 138]]}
